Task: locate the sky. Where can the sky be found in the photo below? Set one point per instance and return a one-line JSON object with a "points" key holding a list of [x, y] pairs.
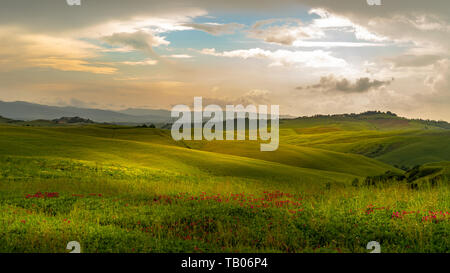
{"points": [[310, 57]]}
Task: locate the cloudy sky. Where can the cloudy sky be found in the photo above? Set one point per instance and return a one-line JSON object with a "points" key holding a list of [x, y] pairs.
{"points": [[308, 56]]}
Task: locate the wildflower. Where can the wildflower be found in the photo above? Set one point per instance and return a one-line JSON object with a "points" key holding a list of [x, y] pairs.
{"points": [[396, 215]]}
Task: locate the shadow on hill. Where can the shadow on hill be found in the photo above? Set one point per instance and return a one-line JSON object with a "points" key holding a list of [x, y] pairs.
{"points": [[420, 175]]}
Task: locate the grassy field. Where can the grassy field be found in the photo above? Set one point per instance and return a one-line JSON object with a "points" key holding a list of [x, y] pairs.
{"points": [[123, 189]]}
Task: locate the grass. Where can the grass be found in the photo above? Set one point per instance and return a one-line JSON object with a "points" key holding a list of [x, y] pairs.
{"points": [[123, 189]]}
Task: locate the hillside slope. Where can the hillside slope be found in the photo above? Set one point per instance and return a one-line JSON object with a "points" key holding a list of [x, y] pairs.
{"points": [[298, 156], [54, 143], [387, 138]]}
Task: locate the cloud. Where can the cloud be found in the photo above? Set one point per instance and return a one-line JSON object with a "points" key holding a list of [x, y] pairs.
{"points": [[52, 15], [154, 23], [178, 56], [423, 24], [332, 84], [215, 28], [21, 49], [54, 36], [293, 32], [298, 43], [285, 34], [254, 96], [439, 81], [251, 97], [404, 28], [329, 20], [71, 65], [55, 16], [409, 60], [138, 40], [314, 59], [144, 62]]}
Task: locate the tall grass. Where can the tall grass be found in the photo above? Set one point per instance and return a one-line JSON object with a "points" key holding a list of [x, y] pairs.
{"points": [[45, 203]]}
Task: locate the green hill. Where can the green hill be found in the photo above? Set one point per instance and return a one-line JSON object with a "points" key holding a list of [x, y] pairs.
{"points": [[358, 144], [384, 137], [128, 189], [112, 148], [290, 155], [300, 156], [371, 120]]}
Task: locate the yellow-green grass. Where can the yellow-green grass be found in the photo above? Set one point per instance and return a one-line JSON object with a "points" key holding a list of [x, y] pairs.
{"points": [[300, 156], [136, 190], [142, 210], [376, 122], [395, 147], [49, 142]]}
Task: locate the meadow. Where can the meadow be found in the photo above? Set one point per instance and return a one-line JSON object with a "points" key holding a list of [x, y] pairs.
{"points": [[334, 185]]}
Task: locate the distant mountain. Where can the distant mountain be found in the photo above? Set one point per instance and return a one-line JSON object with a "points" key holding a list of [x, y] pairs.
{"points": [[31, 111], [20, 110]]}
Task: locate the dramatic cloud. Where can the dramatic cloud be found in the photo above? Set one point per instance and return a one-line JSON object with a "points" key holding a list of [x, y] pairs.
{"points": [[214, 28], [361, 45], [333, 84], [315, 58]]}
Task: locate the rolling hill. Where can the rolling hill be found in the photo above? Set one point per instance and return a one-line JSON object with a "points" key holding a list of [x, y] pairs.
{"points": [[129, 189], [381, 136], [165, 156], [360, 145]]}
